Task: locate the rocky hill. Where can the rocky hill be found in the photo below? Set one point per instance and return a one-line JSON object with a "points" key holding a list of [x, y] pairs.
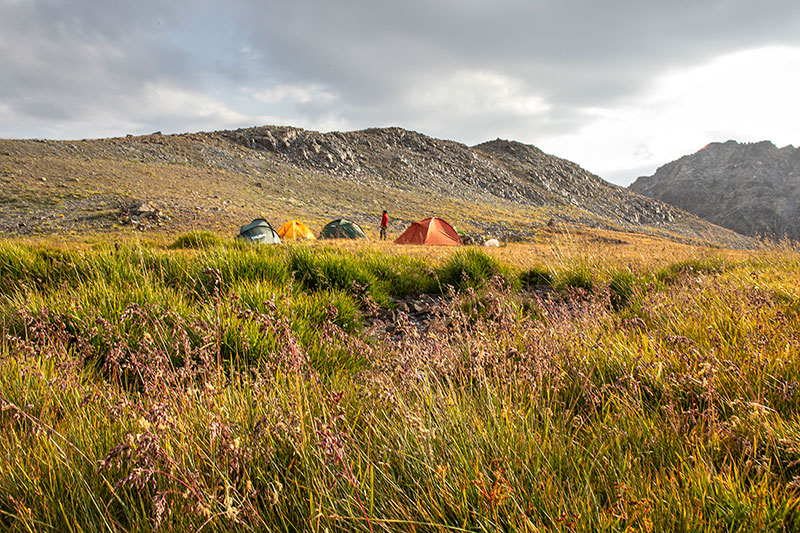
{"points": [[751, 188], [220, 180]]}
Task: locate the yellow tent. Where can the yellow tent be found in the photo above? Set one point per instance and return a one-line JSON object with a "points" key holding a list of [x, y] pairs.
{"points": [[294, 229]]}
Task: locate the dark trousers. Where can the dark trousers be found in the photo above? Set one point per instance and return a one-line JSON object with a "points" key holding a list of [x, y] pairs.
{"points": [[383, 233]]}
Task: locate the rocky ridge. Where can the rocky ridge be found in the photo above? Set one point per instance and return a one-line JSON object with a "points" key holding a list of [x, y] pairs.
{"points": [[216, 180], [499, 169], [751, 188]]}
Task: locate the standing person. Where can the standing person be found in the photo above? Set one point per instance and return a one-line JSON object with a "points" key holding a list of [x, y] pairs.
{"points": [[384, 225]]}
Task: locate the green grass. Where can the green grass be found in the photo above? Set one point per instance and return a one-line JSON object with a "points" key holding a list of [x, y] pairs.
{"points": [[197, 239], [690, 267], [233, 387], [470, 268], [623, 286], [576, 276], [536, 277]]}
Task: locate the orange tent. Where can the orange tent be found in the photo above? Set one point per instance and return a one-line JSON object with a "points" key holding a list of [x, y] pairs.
{"points": [[293, 230], [430, 231]]}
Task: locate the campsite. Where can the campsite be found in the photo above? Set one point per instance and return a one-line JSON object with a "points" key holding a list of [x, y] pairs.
{"points": [[429, 232]]}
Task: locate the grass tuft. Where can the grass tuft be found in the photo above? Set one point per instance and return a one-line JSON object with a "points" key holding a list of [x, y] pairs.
{"points": [[470, 268], [576, 276], [689, 267], [623, 286], [196, 240], [536, 277]]}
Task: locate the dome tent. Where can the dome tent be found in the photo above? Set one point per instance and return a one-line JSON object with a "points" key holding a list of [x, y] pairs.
{"points": [[259, 230], [431, 231], [342, 229], [294, 230]]}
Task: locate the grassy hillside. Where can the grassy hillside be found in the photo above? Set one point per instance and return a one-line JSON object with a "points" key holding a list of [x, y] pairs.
{"points": [[589, 381], [222, 180]]}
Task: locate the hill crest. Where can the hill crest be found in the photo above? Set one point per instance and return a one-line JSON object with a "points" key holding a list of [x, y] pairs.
{"points": [[220, 180]]}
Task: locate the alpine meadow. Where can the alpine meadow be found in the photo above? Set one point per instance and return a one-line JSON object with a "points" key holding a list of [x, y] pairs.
{"points": [[576, 383]]}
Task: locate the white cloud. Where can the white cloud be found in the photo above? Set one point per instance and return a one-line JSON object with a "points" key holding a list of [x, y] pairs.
{"points": [[294, 94], [476, 93], [186, 106], [745, 96], [309, 106], [153, 107], [330, 122]]}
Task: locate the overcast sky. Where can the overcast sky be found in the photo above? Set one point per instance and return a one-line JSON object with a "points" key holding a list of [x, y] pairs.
{"points": [[619, 87]]}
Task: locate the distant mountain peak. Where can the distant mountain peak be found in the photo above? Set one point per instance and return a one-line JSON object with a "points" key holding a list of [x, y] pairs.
{"points": [[752, 187]]}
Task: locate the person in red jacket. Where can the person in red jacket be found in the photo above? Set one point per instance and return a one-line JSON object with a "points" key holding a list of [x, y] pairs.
{"points": [[384, 225]]}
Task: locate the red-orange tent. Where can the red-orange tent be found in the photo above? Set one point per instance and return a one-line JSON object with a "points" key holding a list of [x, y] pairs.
{"points": [[430, 231]]}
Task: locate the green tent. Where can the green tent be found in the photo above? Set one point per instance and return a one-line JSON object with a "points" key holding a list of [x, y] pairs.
{"points": [[342, 229], [259, 230]]}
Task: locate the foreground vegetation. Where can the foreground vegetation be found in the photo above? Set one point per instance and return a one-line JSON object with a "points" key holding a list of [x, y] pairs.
{"points": [[213, 386]]}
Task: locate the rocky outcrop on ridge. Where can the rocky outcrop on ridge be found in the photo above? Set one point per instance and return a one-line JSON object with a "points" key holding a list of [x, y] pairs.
{"points": [[751, 188], [544, 179], [498, 169], [388, 156]]}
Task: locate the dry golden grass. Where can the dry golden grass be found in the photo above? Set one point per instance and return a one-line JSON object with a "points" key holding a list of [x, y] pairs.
{"points": [[596, 246]]}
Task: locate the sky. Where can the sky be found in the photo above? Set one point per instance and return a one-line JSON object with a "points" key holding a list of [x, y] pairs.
{"points": [[620, 87]]}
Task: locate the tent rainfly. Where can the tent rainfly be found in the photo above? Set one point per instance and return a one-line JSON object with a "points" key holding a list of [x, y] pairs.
{"points": [[259, 230], [431, 231], [342, 229], [293, 230]]}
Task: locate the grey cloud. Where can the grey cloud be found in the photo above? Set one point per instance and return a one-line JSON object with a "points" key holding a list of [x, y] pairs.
{"points": [[74, 61], [571, 53]]}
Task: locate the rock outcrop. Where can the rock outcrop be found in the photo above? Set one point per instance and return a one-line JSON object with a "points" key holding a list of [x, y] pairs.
{"points": [[751, 188]]}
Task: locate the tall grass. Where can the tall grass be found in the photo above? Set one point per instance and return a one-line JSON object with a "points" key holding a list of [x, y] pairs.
{"points": [[471, 268], [234, 387], [197, 239]]}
